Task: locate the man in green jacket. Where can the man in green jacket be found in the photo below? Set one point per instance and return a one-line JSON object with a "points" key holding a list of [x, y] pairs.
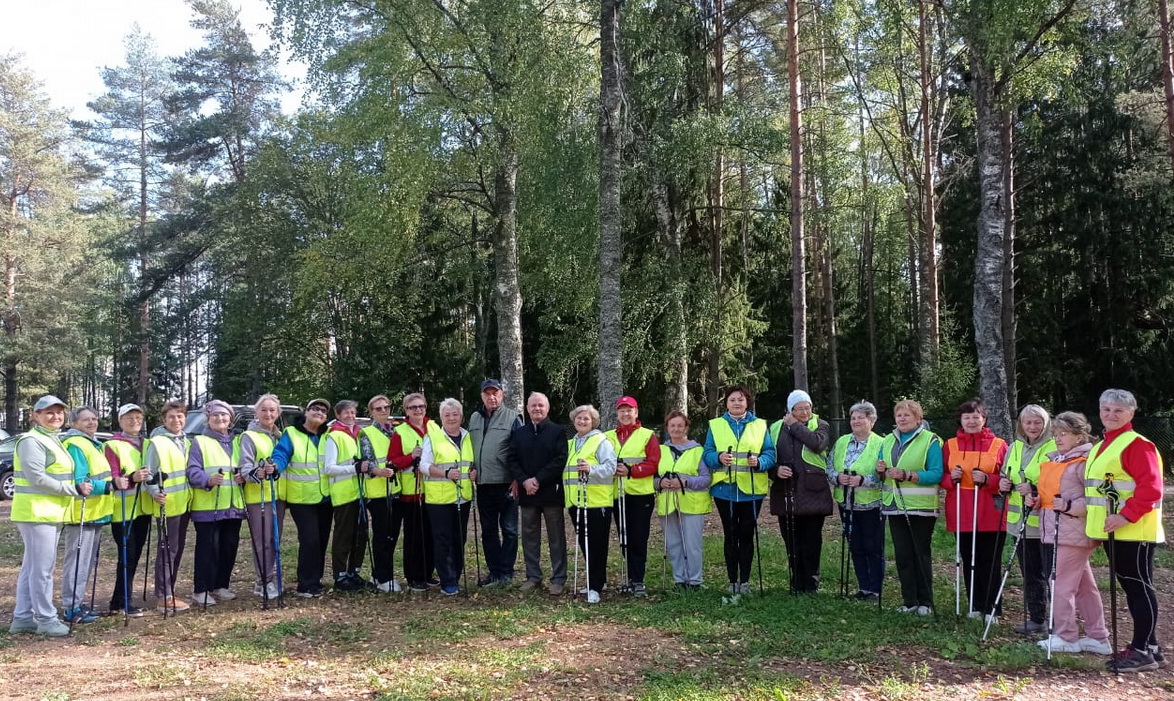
{"points": [[497, 492]]}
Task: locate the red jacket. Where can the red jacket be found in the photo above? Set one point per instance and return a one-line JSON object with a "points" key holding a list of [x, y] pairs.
{"points": [[401, 461], [991, 517], [648, 466], [1140, 461]]}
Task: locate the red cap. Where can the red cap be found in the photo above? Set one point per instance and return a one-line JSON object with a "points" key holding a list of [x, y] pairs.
{"points": [[627, 400]]}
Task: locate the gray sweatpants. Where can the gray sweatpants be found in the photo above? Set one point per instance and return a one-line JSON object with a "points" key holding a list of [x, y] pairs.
{"points": [[73, 589], [531, 518], [34, 584], [682, 536], [261, 528]]}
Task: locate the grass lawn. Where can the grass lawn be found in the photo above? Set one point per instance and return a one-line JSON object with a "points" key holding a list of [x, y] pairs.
{"points": [[497, 644]]}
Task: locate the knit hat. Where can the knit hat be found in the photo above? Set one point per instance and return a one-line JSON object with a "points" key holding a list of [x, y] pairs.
{"points": [[796, 397], [217, 407]]}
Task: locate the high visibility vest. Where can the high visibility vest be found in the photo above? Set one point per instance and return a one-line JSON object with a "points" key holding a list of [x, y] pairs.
{"points": [[809, 456], [599, 492], [30, 505], [174, 479], [409, 482], [864, 466], [1021, 472], [1050, 473], [378, 487], [687, 465], [304, 482], [748, 480], [262, 448], [632, 452], [216, 461], [97, 507], [343, 488], [1105, 463], [130, 459], [913, 497], [446, 456], [985, 460]]}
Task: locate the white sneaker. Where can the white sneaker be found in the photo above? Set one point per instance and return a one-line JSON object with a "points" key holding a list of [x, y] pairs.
{"points": [[258, 590], [584, 590], [1099, 647], [54, 628], [223, 594], [203, 598], [906, 609], [1059, 644], [924, 611], [744, 588], [389, 587], [592, 597], [974, 614], [272, 590], [991, 619]]}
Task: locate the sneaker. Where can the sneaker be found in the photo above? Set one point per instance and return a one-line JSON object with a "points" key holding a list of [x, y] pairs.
{"points": [[171, 604], [203, 599], [259, 590], [223, 594], [450, 590], [1059, 644], [1030, 628], [1127, 661], [531, 585], [1098, 647], [733, 588], [924, 611], [1159, 657], [974, 614], [592, 597], [272, 591], [312, 593], [346, 583], [81, 614], [991, 619], [488, 581], [432, 582], [556, 588], [417, 586], [638, 589], [389, 587], [906, 609], [868, 596], [22, 625], [744, 588], [54, 628]]}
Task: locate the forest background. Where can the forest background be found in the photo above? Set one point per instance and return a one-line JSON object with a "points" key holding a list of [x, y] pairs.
{"points": [[865, 198]]}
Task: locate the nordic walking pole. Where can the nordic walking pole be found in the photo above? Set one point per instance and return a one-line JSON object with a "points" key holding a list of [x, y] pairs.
{"points": [[361, 479], [94, 567], [474, 516], [757, 548], [125, 568], [972, 585], [586, 540], [958, 549], [681, 526], [578, 530], [1112, 499], [1007, 571], [77, 561], [367, 453], [623, 533], [664, 532], [165, 545], [276, 538], [1052, 579], [263, 562], [259, 556], [146, 562]]}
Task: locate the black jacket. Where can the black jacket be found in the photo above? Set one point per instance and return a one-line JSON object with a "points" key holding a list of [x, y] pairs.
{"points": [[809, 485], [539, 451]]}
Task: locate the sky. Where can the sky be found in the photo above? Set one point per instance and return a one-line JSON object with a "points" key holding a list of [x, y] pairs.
{"points": [[67, 42]]}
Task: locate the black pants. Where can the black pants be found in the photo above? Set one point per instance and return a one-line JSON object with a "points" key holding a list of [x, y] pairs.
{"points": [[804, 538], [136, 537], [350, 539], [498, 512], [867, 547], [1133, 564], [593, 538], [982, 574], [313, 524], [637, 525], [739, 521], [384, 535], [1035, 582], [449, 523], [912, 536], [216, 546], [419, 563]]}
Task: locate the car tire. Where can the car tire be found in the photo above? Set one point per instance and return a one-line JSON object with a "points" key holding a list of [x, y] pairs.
{"points": [[7, 485]]}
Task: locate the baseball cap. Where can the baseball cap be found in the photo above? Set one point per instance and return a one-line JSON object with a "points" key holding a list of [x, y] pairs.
{"points": [[127, 408], [626, 400], [491, 384], [47, 401], [319, 400]]}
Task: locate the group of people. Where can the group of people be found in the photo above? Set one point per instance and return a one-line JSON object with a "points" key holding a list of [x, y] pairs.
{"points": [[1060, 494]]}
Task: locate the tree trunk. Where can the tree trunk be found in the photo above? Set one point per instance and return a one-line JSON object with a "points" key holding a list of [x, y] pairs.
{"points": [[144, 376], [798, 254], [989, 253], [716, 195], [1007, 144], [611, 245], [1167, 73], [669, 222], [11, 325], [507, 297], [930, 336]]}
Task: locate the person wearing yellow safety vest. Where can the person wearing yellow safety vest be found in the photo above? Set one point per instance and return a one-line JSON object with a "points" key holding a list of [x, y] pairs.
{"points": [[637, 459], [131, 519], [254, 457], [739, 452], [911, 464], [1033, 442], [851, 465], [588, 492], [682, 501], [45, 490], [165, 456], [217, 505], [404, 455], [799, 493], [1063, 511], [446, 466], [342, 466], [307, 494], [1132, 466], [89, 466], [382, 492]]}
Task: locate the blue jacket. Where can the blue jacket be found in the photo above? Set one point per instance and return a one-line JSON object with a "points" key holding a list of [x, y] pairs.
{"points": [[81, 470], [766, 459]]}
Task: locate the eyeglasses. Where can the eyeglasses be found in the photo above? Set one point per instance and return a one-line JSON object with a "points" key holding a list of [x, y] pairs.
{"points": [[385, 407], [317, 408], [417, 407]]}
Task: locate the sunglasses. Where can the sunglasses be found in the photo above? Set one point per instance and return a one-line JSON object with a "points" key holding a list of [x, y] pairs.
{"points": [[417, 407], [317, 408], [385, 407]]}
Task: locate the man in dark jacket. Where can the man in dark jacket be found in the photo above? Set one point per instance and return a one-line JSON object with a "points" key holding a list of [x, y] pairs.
{"points": [[539, 457], [490, 427]]}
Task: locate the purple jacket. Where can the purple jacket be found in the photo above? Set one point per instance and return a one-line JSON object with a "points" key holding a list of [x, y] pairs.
{"points": [[198, 480]]}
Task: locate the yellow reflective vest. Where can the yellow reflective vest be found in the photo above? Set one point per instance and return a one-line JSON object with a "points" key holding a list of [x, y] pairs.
{"points": [[688, 464], [30, 505], [1104, 465], [343, 488], [748, 480], [599, 491], [446, 456], [98, 507], [216, 461], [173, 477], [632, 452], [378, 487], [130, 460], [303, 478], [1020, 472], [262, 449]]}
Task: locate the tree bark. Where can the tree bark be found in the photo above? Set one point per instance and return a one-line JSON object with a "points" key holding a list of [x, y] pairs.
{"points": [[930, 336], [144, 375], [716, 220], [1007, 144], [668, 221], [1167, 73], [611, 245], [507, 297], [798, 253], [11, 325]]}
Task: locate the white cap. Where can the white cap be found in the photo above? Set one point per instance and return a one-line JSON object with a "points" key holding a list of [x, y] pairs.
{"points": [[47, 401], [127, 408], [796, 397]]}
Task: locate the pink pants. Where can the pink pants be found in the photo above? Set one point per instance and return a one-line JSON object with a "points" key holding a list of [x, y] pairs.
{"points": [[1076, 590]]}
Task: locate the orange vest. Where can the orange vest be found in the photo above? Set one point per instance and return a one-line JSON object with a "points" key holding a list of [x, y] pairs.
{"points": [[1049, 481], [987, 461]]}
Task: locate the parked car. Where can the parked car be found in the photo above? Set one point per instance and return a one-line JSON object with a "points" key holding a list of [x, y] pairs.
{"points": [[7, 448], [242, 416]]}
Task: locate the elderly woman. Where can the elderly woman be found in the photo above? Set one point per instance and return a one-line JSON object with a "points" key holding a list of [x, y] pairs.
{"points": [[165, 456], [446, 460], [588, 491], [851, 466], [404, 453], [343, 466], [976, 504], [132, 510], [217, 505], [1033, 443], [683, 500], [82, 537], [1063, 512], [911, 466], [739, 452], [306, 493], [1123, 490], [800, 496], [382, 491], [43, 473], [263, 492]]}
